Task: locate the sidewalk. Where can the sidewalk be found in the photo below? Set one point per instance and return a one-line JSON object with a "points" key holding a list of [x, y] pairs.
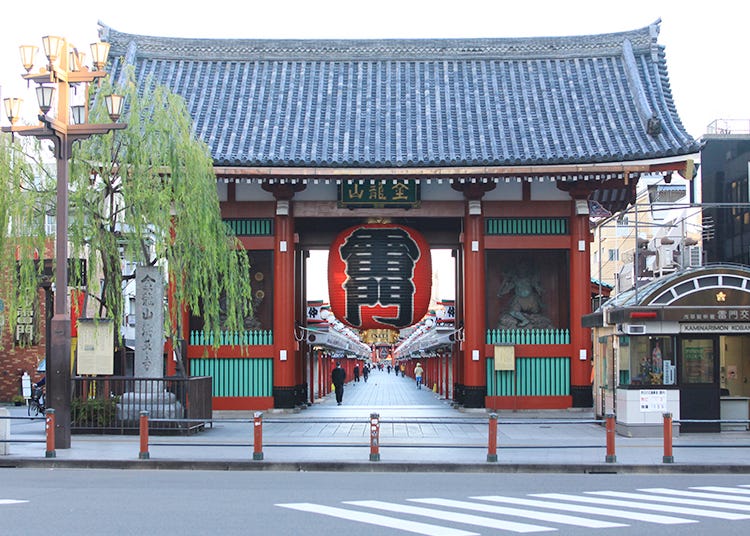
{"points": [[418, 432]]}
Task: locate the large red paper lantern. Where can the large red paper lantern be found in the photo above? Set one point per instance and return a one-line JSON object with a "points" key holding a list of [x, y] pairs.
{"points": [[379, 276]]}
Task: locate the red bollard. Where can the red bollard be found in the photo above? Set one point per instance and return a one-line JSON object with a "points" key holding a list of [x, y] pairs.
{"points": [[668, 456], [258, 436], [49, 427], [610, 457], [374, 437], [143, 430], [492, 443]]}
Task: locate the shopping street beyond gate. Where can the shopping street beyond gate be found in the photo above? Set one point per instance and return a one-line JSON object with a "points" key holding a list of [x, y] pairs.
{"points": [[418, 431]]}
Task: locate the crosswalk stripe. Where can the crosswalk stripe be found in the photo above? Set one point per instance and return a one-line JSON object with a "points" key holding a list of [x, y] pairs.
{"points": [[452, 516], [609, 502], [674, 509], [520, 512], [377, 519], [11, 501], [720, 489], [697, 495], [585, 509]]}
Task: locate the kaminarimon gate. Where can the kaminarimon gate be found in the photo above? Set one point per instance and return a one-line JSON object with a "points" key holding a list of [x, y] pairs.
{"points": [[493, 148]]}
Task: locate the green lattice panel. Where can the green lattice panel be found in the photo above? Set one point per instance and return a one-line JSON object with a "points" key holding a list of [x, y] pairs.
{"points": [[534, 376], [236, 376]]}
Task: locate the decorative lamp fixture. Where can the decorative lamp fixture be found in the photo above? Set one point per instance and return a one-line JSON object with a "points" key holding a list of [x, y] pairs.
{"points": [[77, 60], [78, 114], [53, 45], [99, 53], [28, 53], [13, 109], [114, 105], [44, 96]]}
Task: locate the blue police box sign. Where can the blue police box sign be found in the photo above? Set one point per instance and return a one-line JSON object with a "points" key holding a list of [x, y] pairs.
{"points": [[379, 276]]}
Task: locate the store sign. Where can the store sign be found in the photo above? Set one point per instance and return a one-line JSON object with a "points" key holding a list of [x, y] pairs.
{"points": [[653, 400], [739, 327], [379, 276], [379, 194]]}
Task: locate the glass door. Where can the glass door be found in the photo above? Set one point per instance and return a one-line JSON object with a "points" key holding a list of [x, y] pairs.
{"points": [[699, 383]]}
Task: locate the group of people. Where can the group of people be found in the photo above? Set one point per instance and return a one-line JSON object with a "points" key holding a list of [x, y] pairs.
{"points": [[338, 376]]}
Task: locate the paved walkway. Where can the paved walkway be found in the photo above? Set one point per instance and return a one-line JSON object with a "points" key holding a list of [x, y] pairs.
{"points": [[419, 431]]}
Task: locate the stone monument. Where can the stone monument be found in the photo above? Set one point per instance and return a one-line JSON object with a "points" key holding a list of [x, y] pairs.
{"points": [[149, 393]]}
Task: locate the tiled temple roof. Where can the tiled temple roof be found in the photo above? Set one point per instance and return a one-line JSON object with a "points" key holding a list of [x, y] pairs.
{"points": [[407, 103]]}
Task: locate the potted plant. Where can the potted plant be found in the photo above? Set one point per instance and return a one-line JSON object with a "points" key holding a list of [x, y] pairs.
{"points": [[18, 400]]}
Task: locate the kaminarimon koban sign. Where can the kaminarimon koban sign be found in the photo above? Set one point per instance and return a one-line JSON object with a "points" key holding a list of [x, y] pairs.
{"points": [[379, 276]]}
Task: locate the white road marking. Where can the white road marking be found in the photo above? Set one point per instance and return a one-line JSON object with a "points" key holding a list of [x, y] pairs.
{"points": [[520, 512], [11, 501], [452, 516], [720, 489], [585, 509], [674, 509], [695, 494], [609, 502], [379, 520]]}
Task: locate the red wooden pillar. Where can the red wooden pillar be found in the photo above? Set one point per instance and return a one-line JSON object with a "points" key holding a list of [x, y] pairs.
{"points": [[285, 369], [474, 374], [580, 302]]}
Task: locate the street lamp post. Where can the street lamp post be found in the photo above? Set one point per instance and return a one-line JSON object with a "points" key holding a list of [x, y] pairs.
{"points": [[69, 124]]}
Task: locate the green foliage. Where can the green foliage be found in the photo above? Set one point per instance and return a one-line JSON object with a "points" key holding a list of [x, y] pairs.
{"points": [[94, 412], [146, 194], [27, 192]]}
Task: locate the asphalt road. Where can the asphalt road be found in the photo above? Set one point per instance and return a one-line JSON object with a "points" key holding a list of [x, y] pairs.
{"points": [[67, 501]]}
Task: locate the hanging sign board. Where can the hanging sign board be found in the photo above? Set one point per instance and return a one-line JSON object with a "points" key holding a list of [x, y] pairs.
{"points": [[379, 194]]}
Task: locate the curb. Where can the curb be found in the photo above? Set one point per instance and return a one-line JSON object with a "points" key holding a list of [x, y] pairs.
{"points": [[371, 467]]}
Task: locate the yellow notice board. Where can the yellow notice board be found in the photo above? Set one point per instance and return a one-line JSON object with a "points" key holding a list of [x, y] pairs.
{"points": [[505, 357], [95, 346]]}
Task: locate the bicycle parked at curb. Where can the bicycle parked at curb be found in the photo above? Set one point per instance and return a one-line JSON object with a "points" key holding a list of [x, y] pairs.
{"points": [[36, 402]]}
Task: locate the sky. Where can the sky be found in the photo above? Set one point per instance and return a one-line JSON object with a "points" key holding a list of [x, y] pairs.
{"points": [[706, 43]]}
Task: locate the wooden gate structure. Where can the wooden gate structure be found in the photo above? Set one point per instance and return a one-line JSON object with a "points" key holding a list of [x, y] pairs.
{"points": [[493, 148]]}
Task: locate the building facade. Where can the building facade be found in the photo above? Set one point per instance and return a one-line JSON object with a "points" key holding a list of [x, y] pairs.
{"points": [[492, 148]]}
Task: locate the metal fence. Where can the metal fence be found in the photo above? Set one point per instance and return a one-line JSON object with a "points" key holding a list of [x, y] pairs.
{"points": [[113, 405]]}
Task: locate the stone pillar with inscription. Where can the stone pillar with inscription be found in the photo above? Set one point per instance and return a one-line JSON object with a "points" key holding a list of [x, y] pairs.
{"points": [[148, 392]]}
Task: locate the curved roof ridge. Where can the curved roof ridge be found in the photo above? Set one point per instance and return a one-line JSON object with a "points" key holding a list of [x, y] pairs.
{"points": [[380, 49]]}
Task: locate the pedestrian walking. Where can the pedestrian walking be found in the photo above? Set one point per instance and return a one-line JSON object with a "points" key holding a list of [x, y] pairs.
{"points": [[366, 372], [338, 377], [418, 373], [356, 372]]}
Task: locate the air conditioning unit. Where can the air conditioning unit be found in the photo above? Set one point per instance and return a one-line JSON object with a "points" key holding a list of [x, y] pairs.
{"points": [[635, 329], [695, 256]]}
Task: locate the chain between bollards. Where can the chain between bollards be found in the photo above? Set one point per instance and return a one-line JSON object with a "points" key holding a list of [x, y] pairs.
{"points": [[258, 436], [492, 440], [143, 432], [49, 427]]}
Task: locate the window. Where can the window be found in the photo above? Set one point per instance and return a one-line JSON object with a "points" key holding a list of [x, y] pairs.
{"points": [[647, 361], [623, 226], [613, 254], [697, 361]]}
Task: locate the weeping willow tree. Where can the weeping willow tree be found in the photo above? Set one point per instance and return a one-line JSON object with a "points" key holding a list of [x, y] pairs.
{"points": [[146, 194], [26, 196]]}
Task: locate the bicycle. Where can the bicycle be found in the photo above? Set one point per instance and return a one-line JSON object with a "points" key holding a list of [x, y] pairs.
{"points": [[36, 402]]}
